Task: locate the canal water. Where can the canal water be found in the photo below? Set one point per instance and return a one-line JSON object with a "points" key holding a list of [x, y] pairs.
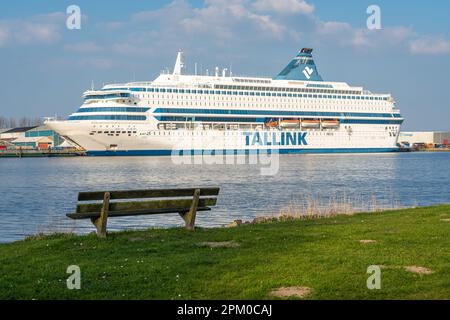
{"points": [[35, 194]]}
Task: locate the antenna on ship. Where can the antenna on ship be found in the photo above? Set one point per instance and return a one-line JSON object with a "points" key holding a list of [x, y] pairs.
{"points": [[195, 66], [178, 64], [92, 85]]}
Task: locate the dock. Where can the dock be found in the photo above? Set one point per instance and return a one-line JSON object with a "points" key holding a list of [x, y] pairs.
{"points": [[50, 153]]}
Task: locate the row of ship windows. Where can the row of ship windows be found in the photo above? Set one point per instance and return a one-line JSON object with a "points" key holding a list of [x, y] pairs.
{"points": [[259, 100], [227, 133], [109, 117], [250, 102], [365, 106], [277, 113], [237, 112], [273, 94], [113, 133], [319, 104], [214, 119], [288, 103], [240, 89], [107, 96], [234, 112], [279, 92], [208, 126], [281, 89], [113, 109]]}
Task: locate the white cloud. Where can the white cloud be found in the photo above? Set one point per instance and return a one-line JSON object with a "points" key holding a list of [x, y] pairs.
{"points": [[333, 27], [284, 6], [219, 26], [45, 28], [225, 20], [266, 24], [342, 33], [395, 36], [430, 45], [30, 33]]}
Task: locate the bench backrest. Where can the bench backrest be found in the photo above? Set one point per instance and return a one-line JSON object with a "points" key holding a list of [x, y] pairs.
{"points": [[169, 200]]}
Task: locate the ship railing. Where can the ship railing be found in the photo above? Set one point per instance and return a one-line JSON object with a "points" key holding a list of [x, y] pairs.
{"points": [[154, 85]]}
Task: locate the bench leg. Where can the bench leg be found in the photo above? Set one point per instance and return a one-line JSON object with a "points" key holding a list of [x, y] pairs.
{"points": [[189, 217], [101, 222]]}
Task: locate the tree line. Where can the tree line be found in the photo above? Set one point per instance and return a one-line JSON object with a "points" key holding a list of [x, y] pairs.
{"points": [[9, 123]]}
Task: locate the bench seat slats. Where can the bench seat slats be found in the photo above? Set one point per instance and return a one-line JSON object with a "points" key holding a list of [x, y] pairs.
{"points": [[98, 207], [127, 213], [145, 205], [138, 194]]}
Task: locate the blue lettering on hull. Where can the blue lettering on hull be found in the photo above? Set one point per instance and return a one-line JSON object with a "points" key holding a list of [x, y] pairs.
{"points": [[275, 138]]}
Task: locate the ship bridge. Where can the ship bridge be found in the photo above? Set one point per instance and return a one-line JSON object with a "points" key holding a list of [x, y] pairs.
{"points": [[115, 95], [302, 68]]}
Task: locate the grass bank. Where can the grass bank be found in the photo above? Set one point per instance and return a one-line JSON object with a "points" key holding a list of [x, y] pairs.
{"points": [[247, 262]]}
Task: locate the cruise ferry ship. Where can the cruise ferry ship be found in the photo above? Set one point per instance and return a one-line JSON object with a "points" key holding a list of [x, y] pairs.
{"points": [[294, 112]]}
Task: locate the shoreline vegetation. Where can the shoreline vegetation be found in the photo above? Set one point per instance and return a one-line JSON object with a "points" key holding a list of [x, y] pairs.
{"points": [[293, 256]]}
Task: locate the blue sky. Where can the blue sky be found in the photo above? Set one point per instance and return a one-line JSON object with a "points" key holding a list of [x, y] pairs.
{"points": [[46, 67]]}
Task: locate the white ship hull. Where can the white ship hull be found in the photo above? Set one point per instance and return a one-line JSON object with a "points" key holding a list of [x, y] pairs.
{"points": [[144, 141], [295, 112]]}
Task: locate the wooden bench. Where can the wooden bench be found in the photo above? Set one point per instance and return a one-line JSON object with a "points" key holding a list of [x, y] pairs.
{"points": [[186, 202]]}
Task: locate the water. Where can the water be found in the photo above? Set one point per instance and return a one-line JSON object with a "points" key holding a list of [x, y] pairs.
{"points": [[35, 194]]}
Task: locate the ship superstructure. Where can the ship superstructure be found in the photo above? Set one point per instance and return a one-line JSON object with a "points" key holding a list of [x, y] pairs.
{"points": [[294, 112]]}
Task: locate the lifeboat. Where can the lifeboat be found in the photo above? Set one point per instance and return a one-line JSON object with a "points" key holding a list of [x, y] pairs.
{"points": [[310, 123], [289, 123], [272, 124], [330, 124]]}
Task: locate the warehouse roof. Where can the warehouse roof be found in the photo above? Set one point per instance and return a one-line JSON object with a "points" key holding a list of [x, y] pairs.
{"points": [[41, 128], [21, 129], [32, 139]]}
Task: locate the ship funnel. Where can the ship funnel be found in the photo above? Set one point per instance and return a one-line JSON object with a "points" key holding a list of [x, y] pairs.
{"points": [[178, 64], [302, 68]]}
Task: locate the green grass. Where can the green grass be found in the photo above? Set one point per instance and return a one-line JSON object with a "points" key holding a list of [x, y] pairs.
{"points": [[323, 254]]}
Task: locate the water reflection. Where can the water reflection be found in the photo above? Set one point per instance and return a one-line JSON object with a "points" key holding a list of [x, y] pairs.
{"points": [[36, 193]]}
